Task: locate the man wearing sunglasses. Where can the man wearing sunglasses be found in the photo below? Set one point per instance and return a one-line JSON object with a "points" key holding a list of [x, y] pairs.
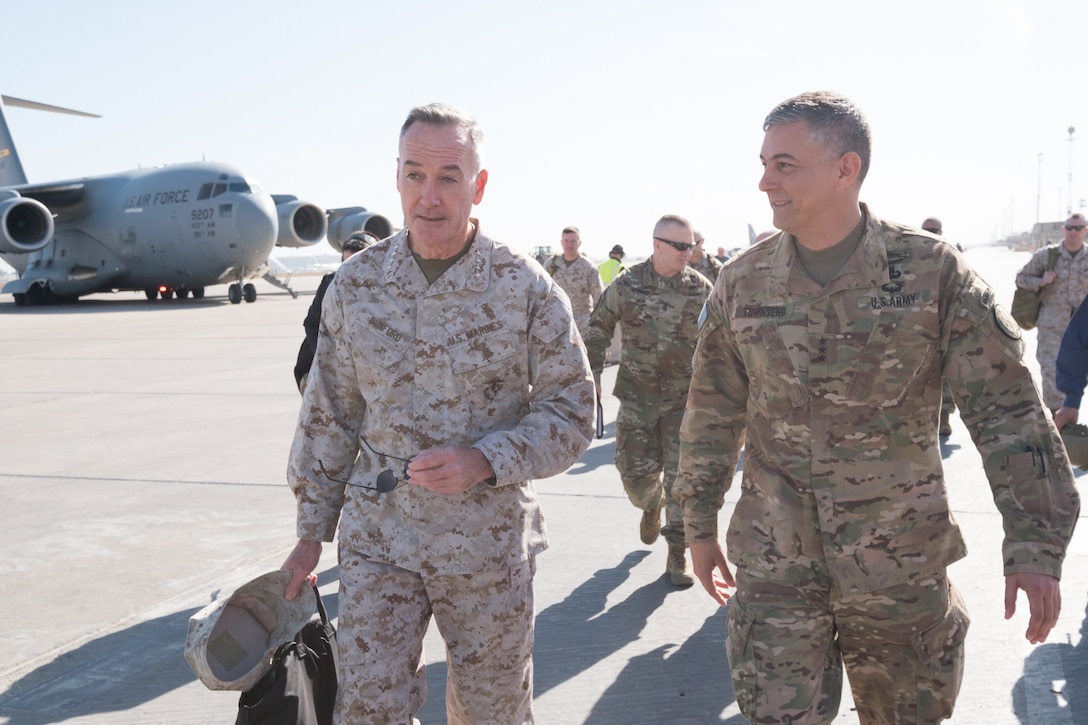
{"points": [[1064, 285], [449, 373], [656, 303], [822, 354]]}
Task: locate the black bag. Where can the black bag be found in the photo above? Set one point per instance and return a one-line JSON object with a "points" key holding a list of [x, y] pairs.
{"points": [[300, 689]]}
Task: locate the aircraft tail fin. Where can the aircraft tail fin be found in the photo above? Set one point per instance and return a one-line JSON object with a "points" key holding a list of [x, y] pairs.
{"points": [[751, 235], [11, 169]]}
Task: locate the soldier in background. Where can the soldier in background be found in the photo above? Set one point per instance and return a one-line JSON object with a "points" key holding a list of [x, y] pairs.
{"points": [[1062, 290], [357, 242], [822, 354], [612, 266], [657, 305], [610, 269], [702, 262], [578, 277], [448, 375]]}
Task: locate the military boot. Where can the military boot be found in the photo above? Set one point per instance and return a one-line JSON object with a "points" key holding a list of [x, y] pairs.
{"points": [[946, 427], [650, 526], [678, 568]]}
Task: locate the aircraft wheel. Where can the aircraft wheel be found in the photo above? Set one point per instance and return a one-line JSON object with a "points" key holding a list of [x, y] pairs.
{"points": [[166, 294], [249, 292], [152, 293], [20, 299], [182, 292], [198, 293], [234, 293]]}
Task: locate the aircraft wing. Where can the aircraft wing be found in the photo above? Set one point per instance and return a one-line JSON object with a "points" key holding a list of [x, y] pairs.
{"points": [[64, 200]]}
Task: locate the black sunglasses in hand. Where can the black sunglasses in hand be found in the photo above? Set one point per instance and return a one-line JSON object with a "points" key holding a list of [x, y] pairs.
{"points": [[387, 480]]}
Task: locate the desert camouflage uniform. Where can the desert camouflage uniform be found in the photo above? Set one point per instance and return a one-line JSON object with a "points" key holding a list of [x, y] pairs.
{"points": [[1059, 301], [487, 357], [843, 514], [582, 283], [708, 266], [659, 317]]}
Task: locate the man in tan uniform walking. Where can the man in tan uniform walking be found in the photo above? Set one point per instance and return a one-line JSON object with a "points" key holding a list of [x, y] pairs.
{"points": [[822, 355], [448, 374], [1063, 286], [578, 277]]}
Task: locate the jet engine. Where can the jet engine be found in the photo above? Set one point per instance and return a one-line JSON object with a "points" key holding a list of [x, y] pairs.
{"points": [[301, 223], [348, 220], [25, 224]]}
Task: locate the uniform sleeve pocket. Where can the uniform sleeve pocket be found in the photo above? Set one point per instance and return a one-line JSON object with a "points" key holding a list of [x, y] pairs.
{"points": [[1029, 484]]}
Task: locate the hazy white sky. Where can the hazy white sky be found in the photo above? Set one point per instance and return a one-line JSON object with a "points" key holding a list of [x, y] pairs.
{"points": [[601, 114]]}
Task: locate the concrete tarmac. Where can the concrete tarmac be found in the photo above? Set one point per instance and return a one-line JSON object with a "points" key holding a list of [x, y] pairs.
{"points": [[142, 474]]}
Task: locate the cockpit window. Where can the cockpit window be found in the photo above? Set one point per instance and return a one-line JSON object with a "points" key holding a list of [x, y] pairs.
{"points": [[205, 192], [219, 189], [240, 186]]}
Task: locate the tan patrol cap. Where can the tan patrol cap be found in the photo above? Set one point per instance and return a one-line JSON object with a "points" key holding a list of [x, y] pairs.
{"points": [[231, 640]]}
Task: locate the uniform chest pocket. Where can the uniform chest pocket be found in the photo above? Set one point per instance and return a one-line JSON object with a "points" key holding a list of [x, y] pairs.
{"points": [[378, 351], [890, 364], [487, 360]]}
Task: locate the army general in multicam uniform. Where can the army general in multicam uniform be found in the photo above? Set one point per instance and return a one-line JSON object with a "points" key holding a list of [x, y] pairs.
{"points": [[822, 354], [657, 305], [449, 373]]}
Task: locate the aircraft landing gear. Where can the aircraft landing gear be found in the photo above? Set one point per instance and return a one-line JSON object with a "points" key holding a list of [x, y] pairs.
{"points": [[249, 292], [198, 293], [151, 293], [234, 293]]}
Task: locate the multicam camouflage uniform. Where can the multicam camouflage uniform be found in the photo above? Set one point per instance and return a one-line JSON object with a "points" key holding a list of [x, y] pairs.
{"points": [[708, 266], [659, 317], [487, 357], [582, 283], [843, 516], [1059, 300]]}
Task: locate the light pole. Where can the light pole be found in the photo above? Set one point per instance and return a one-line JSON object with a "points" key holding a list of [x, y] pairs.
{"points": [[1038, 189], [1069, 208]]}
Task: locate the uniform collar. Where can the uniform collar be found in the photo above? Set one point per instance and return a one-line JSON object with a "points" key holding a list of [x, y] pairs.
{"points": [[867, 267], [470, 272]]}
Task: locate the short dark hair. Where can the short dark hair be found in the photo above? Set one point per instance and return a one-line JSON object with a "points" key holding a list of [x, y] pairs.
{"points": [[834, 122], [359, 241]]}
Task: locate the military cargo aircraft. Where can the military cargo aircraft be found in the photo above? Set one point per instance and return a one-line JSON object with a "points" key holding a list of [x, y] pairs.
{"points": [[169, 231]]}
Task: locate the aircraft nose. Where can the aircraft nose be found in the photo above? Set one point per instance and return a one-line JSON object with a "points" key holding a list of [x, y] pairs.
{"points": [[255, 220]]}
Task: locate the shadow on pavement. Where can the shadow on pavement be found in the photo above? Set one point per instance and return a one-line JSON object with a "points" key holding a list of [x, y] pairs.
{"points": [[113, 673], [596, 457], [576, 633], [1055, 679], [674, 685]]}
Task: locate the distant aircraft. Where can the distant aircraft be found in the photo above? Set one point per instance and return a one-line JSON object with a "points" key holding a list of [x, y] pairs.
{"points": [[166, 231]]}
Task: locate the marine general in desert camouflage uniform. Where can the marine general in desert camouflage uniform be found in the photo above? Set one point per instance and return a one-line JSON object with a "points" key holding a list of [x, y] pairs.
{"points": [[577, 276], [656, 303], [449, 366], [1063, 289], [822, 354]]}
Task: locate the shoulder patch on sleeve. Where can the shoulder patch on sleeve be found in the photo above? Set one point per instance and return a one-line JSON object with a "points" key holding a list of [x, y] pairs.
{"points": [[1006, 323]]}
